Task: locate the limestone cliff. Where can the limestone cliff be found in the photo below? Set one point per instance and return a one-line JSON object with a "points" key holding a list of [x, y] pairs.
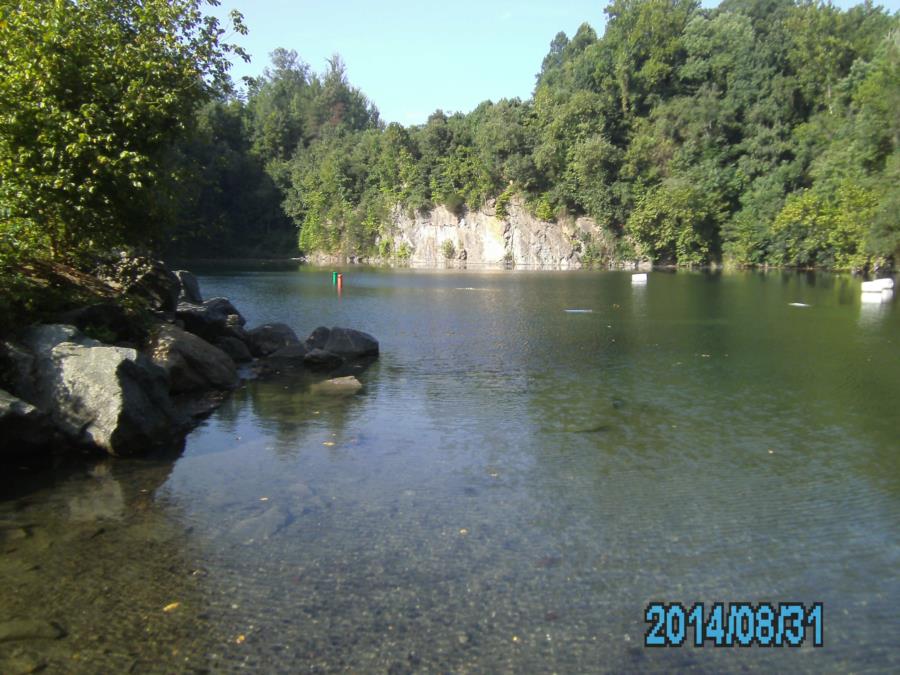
{"points": [[481, 237]]}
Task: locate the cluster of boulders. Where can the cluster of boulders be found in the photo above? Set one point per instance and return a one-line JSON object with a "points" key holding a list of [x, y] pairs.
{"points": [[103, 379]]}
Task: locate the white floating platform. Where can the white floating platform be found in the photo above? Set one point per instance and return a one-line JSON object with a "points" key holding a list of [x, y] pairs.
{"points": [[877, 296], [877, 285], [579, 311], [639, 278]]}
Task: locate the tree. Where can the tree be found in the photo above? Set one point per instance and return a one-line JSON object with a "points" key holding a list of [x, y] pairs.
{"points": [[93, 94], [676, 222]]}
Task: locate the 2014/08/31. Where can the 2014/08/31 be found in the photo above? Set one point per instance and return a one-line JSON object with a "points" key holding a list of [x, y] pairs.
{"points": [[732, 624]]}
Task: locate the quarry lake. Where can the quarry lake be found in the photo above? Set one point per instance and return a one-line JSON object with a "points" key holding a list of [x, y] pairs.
{"points": [[512, 487]]}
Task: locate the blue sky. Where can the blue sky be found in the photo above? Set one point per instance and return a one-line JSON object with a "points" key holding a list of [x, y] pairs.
{"points": [[412, 57]]}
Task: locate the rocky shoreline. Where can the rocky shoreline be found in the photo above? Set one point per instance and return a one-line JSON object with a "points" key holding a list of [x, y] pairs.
{"points": [[135, 371]]}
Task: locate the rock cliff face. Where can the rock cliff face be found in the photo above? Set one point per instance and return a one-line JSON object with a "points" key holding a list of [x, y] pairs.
{"points": [[483, 238]]}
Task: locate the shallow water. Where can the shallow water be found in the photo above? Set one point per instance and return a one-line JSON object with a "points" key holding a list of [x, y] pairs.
{"points": [[511, 488]]}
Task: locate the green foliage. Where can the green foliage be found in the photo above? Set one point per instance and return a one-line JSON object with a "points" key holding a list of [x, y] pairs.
{"points": [[385, 248], [501, 206], [228, 203], [93, 96], [675, 222], [448, 249], [101, 333], [404, 252], [758, 132], [825, 230], [543, 208], [592, 252]]}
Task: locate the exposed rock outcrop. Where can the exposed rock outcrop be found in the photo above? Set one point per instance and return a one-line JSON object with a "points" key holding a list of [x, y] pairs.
{"points": [[112, 398], [344, 342], [190, 287], [144, 278], [483, 237], [60, 387], [211, 320], [271, 337], [191, 363], [318, 338], [350, 344], [236, 349]]}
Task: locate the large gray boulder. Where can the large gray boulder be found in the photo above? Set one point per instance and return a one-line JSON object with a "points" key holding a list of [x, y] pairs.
{"points": [[270, 338], [190, 288], [112, 398], [318, 338], [153, 282], [345, 342], [235, 348], [192, 364], [22, 426], [211, 320]]}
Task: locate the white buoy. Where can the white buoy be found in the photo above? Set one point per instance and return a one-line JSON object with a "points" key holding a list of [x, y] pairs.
{"points": [[639, 278], [877, 285]]}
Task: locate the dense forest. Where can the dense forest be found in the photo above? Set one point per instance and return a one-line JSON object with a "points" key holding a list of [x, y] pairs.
{"points": [[758, 132]]}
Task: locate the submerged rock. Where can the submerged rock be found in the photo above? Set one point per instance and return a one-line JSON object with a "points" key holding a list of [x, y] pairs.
{"points": [[113, 398], [340, 386], [30, 629], [263, 526], [191, 363], [270, 338]]}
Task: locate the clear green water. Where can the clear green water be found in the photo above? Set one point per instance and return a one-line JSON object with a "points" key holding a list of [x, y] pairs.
{"points": [[511, 488]]}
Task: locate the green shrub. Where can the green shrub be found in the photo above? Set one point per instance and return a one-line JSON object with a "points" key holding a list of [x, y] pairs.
{"points": [[544, 209], [502, 205], [448, 249]]}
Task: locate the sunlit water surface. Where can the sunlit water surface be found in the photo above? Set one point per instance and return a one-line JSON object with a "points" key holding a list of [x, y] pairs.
{"points": [[509, 490]]}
